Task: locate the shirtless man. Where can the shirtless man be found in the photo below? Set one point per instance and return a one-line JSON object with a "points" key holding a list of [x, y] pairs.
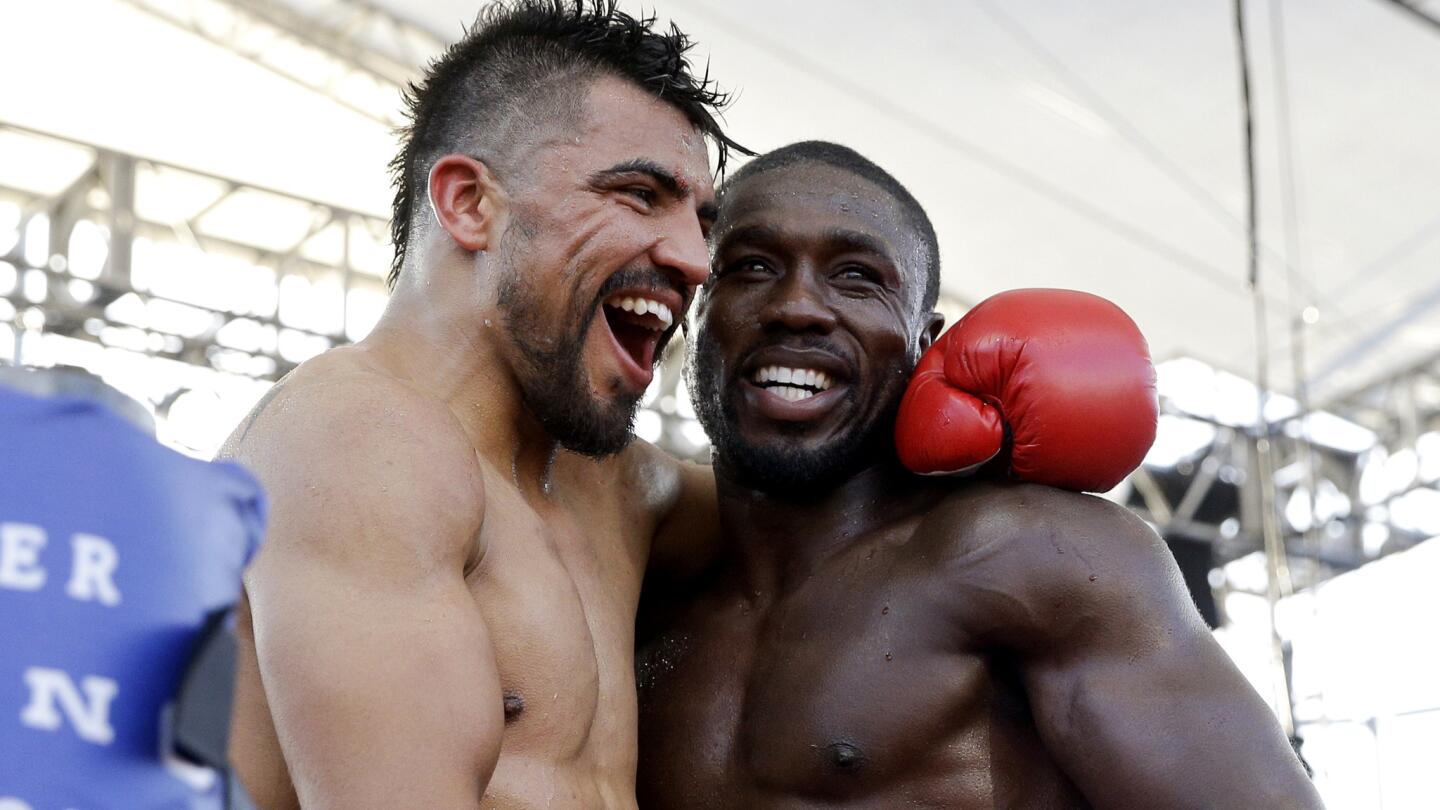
{"points": [[871, 639], [444, 607]]}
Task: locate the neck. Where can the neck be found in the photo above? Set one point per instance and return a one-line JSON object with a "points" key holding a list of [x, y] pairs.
{"points": [[436, 335], [780, 541]]}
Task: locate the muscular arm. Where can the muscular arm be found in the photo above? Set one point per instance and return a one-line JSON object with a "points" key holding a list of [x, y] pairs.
{"points": [[376, 663], [1131, 693], [686, 538], [688, 535]]}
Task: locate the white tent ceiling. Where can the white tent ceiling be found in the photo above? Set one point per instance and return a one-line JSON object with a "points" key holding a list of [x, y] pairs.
{"points": [[1094, 146]]}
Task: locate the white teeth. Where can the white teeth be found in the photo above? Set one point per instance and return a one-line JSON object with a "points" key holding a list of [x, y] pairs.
{"points": [[784, 376], [645, 306], [790, 393]]}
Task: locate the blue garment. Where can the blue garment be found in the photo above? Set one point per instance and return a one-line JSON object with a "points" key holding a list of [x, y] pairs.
{"points": [[113, 550]]}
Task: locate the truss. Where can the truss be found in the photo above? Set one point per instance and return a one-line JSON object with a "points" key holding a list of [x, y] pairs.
{"points": [[131, 305], [356, 53]]}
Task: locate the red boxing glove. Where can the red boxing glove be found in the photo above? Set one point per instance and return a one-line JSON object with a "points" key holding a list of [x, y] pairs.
{"points": [[1070, 374]]}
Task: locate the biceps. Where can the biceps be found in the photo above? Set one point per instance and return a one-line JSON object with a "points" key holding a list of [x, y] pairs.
{"points": [[1172, 725], [380, 697]]}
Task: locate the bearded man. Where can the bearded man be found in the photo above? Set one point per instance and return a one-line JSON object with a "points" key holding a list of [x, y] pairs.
{"points": [[444, 607], [872, 639]]}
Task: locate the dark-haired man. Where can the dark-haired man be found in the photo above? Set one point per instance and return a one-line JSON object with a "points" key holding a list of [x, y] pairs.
{"points": [[444, 609], [872, 639]]}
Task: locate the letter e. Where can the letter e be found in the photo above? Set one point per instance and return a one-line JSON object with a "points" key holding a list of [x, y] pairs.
{"points": [[20, 545]]}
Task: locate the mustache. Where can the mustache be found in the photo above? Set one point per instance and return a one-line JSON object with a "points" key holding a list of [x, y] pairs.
{"points": [[801, 341], [649, 278]]}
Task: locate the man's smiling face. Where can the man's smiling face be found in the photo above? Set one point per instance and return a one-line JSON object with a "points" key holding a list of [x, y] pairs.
{"points": [[809, 326], [601, 257]]}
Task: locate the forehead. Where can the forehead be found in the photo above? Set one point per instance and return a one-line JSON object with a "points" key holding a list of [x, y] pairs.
{"points": [[804, 201], [620, 122]]}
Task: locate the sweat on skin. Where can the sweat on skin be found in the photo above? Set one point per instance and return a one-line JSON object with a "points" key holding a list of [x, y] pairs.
{"points": [[870, 639]]}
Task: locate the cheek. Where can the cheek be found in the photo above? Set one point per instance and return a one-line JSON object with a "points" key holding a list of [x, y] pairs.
{"points": [[887, 351], [730, 307], [575, 237]]}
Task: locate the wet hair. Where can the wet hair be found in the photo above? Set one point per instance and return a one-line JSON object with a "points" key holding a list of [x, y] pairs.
{"points": [[529, 63], [847, 159]]}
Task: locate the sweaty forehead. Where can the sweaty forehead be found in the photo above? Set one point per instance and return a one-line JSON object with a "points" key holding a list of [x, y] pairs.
{"points": [[620, 122], [806, 200]]}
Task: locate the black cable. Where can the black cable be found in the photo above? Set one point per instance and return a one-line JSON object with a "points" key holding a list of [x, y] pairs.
{"points": [[1157, 157], [1420, 14], [952, 141], [1131, 133], [1248, 118]]}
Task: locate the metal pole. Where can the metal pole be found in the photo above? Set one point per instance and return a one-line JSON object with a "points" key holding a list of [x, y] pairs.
{"points": [[1278, 569], [1295, 263]]}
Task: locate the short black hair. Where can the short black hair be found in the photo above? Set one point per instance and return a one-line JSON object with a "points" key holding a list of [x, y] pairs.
{"points": [[847, 159], [524, 60]]}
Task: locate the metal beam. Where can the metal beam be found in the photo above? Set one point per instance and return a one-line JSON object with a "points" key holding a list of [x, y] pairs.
{"points": [[1419, 307], [260, 31]]}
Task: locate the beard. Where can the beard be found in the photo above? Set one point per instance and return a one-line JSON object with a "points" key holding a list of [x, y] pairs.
{"points": [[795, 469], [551, 372]]}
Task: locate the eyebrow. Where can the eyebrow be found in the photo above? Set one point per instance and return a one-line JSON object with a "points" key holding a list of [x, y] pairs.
{"points": [[662, 176], [706, 212], [751, 233], [842, 239], [856, 241]]}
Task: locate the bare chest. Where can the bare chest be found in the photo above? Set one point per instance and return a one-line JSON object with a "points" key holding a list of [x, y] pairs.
{"points": [[559, 596], [854, 685]]}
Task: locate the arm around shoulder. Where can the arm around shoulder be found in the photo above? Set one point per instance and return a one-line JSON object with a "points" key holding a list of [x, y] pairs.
{"points": [[1130, 692], [687, 530], [376, 662]]}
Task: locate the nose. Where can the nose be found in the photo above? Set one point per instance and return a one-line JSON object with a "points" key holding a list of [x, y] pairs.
{"points": [[682, 251], [798, 304]]}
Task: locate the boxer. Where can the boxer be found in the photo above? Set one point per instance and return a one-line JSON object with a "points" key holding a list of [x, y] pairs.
{"points": [[445, 605], [868, 638]]}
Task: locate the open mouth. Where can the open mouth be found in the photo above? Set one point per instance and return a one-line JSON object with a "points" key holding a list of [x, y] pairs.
{"points": [[637, 323], [791, 384]]}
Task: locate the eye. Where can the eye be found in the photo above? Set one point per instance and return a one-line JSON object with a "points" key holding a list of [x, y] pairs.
{"points": [[749, 266], [857, 272], [641, 193]]}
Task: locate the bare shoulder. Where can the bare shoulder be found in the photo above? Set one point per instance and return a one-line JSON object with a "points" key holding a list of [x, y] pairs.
{"points": [[647, 478], [1035, 560], [666, 473], [344, 447], [978, 519], [670, 501]]}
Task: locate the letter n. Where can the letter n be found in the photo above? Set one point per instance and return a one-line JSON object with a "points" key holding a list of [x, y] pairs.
{"points": [[53, 692]]}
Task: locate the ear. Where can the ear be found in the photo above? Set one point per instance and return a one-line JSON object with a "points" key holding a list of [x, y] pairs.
{"points": [[467, 200], [933, 321]]}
